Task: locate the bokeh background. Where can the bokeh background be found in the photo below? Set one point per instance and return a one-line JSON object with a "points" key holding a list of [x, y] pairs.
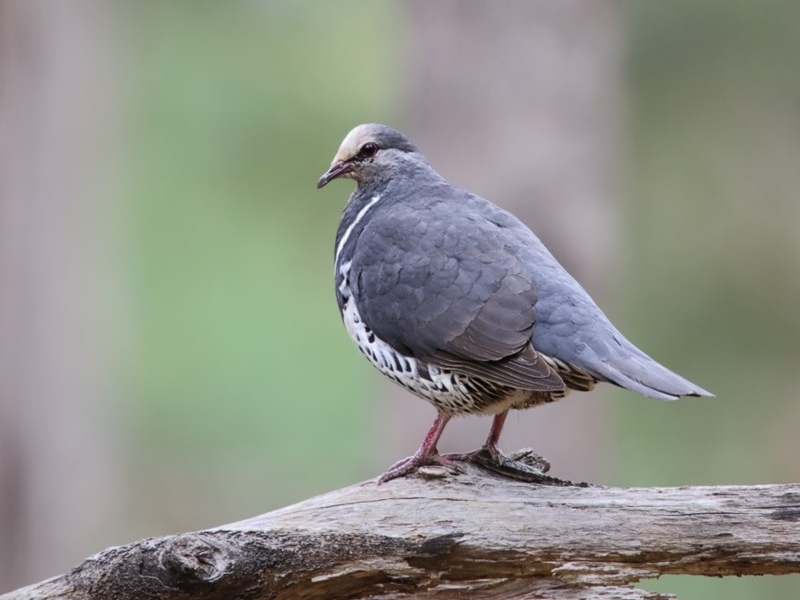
{"points": [[171, 356]]}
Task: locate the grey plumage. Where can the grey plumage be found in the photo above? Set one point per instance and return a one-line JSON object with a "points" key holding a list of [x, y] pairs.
{"points": [[456, 284]]}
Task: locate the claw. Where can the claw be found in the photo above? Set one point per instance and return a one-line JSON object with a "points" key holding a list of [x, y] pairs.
{"points": [[427, 454], [410, 465]]}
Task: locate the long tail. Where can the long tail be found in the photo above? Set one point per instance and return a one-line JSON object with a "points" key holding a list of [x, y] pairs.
{"points": [[640, 373]]}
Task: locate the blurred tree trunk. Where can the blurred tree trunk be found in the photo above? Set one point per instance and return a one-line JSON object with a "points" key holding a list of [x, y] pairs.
{"points": [[520, 103], [57, 490]]}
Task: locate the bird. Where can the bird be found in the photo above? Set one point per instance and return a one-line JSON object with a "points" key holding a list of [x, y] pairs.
{"points": [[458, 301]]}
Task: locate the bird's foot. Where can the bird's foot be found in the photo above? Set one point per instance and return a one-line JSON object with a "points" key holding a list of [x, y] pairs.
{"points": [[412, 464], [524, 465]]}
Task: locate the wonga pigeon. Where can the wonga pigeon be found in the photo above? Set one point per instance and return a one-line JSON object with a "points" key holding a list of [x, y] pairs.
{"points": [[457, 300]]}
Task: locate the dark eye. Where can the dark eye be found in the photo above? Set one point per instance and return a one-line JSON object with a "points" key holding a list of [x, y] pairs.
{"points": [[368, 150]]}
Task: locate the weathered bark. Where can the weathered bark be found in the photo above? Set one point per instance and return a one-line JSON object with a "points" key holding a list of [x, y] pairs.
{"points": [[493, 537]]}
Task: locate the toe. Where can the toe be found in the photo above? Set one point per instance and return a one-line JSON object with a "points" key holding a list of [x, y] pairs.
{"points": [[410, 465]]}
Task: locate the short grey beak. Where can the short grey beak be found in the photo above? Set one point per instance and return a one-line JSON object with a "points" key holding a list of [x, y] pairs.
{"points": [[335, 171]]}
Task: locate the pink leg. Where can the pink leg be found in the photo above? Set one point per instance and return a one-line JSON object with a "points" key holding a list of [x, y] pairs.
{"points": [[427, 454], [494, 434], [525, 466], [490, 447]]}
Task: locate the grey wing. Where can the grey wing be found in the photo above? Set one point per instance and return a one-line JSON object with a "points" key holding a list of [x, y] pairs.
{"points": [[445, 288]]}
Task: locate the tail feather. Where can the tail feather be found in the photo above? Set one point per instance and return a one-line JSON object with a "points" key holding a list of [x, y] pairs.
{"points": [[642, 374]]}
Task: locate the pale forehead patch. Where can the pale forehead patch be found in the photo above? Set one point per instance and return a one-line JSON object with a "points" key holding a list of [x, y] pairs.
{"points": [[353, 141]]}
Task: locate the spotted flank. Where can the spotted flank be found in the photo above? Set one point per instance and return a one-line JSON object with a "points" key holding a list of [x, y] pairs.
{"points": [[450, 392], [574, 378]]}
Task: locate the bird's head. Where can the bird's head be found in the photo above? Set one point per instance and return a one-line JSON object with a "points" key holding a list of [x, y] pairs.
{"points": [[368, 152]]}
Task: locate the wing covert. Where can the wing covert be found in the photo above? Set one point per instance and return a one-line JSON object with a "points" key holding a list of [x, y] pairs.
{"points": [[456, 296]]}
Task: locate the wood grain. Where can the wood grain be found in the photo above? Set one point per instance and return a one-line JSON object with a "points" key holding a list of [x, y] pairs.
{"points": [[447, 535]]}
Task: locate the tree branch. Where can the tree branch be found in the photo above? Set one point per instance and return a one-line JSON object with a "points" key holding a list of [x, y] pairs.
{"points": [[445, 534]]}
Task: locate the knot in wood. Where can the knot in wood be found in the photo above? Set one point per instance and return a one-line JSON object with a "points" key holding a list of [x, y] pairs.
{"points": [[195, 558]]}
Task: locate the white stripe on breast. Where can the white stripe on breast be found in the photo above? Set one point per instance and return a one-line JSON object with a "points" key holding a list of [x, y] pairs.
{"points": [[352, 225]]}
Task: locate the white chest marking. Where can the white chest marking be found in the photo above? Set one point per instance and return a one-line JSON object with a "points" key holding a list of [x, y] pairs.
{"points": [[352, 225]]}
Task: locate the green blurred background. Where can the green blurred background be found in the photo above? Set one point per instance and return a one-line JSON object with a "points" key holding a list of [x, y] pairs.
{"points": [[232, 388]]}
